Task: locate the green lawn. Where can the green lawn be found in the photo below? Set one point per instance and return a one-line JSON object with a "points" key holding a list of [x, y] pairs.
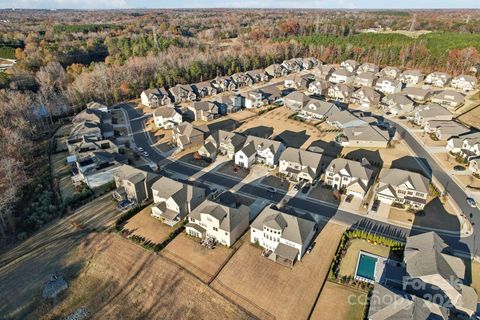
{"points": [[349, 261]]}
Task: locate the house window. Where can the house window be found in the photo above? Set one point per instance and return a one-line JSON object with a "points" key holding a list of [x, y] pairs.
{"points": [[215, 229]]}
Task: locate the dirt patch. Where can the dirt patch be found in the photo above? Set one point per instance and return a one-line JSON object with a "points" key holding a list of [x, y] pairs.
{"points": [[199, 260], [121, 280], [334, 303], [383, 156], [349, 261], [144, 225], [241, 115], [270, 290]]}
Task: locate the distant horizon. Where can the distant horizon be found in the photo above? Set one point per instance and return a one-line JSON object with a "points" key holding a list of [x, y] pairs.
{"points": [[238, 4]]}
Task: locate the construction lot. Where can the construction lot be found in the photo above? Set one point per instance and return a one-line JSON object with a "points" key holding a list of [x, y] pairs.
{"points": [[266, 288], [197, 259], [338, 302]]}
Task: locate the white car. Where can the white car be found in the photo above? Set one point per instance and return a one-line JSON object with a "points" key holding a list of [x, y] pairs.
{"points": [[145, 153], [140, 149], [471, 202]]}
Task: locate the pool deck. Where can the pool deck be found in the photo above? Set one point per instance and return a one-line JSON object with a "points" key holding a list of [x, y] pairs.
{"points": [[379, 267]]}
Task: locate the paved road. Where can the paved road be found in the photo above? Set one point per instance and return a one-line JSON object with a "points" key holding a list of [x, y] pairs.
{"points": [[317, 210]]}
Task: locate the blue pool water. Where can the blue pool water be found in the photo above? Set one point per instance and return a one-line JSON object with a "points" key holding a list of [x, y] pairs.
{"points": [[366, 267]]}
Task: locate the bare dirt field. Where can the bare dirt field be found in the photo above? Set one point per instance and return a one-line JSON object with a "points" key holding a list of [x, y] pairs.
{"points": [[144, 225], [266, 288], [470, 113], [378, 155], [199, 260], [241, 115], [333, 303], [25, 268], [120, 280], [276, 123], [349, 261]]}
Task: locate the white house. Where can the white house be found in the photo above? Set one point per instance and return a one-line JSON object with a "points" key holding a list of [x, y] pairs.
{"points": [[284, 237], [353, 176], [259, 150], [412, 76], [300, 165], [350, 65], [166, 117], [212, 220], [154, 98], [388, 86], [341, 76], [438, 79], [464, 82], [319, 109]]}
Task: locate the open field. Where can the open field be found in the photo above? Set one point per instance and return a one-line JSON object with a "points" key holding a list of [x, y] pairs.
{"points": [[379, 155], [122, 280], [333, 303], [276, 123], [266, 288], [144, 225], [199, 260], [25, 268], [349, 261]]}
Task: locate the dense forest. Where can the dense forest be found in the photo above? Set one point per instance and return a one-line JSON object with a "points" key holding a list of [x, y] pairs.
{"points": [[68, 58]]}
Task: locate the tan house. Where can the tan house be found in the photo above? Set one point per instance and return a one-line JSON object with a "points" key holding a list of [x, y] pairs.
{"points": [[296, 100], [366, 136], [156, 97], [319, 109], [412, 76], [183, 93], [340, 92], [431, 111], [319, 87], [365, 97], [449, 99], [204, 89], [323, 72], [204, 110], [364, 79], [300, 165], [368, 67], [186, 135], [352, 176], [133, 184], [390, 73], [350, 65], [211, 220], [398, 104], [417, 94], [403, 187], [222, 142], [445, 130], [438, 79], [341, 76], [276, 70]]}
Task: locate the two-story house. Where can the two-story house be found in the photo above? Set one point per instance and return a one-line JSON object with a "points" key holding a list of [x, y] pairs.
{"points": [[364, 79], [222, 223], [319, 87], [350, 65], [318, 109], [403, 187], [173, 200], [258, 75], [254, 99], [224, 84], [419, 95], [388, 86], [340, 92], [183, 93], [298, 82], [438, 79], [341, 76], [204, 110], [241, 80], [300, 165], [276, 71], [323, 72], [412, 76], [154, 98], [166, 117], [133, 184], [296, 100], [259, 150], [365, 97], [398, 104], [431, 111], [351, 176], [222, 142], [368, 67], [389, 72], [444, 130], [284, 237], [449, 98], [204, 89], [464, 82], [186, 135]]}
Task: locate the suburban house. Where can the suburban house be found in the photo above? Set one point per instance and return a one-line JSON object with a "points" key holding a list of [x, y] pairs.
{"points": [[365, 97], [254, 99], [341, 76], [173, 200], [431, 111], [91, 123], [319, 87], [368, 67], [295, 100], [96, 168], [324, 72], [403, 187], [417, 94], [390, 73], [319, 109], [300, 165], [432, 266], [310, 62], [222, 142], [271, 93], [241, 80], [388, 86], [438, 79], [86, 144], [464, 82], [352, 176], [211, 220], [166, 117], [293, 65], [186, 135], [204, 89], [153, 98], [340, 92], [467, 145], [231, 103], [133, 184], [284, 237], [258, 75], [412, 76], [344, 119], [276, 70], [449, 98], [398, 104], [298, 82], [350, 65], [183, 93], [389, 303], [204, 110], [223, 84], [260, 150], [366, 136], [364, 79], [444, 130]]}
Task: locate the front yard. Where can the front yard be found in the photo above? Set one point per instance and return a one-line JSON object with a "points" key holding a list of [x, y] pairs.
{"points": [[266, 288], [279, 183], [323, 194], [197, 259]]}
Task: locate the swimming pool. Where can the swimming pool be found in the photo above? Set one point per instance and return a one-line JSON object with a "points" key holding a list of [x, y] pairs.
{"points": [[366, 267]]}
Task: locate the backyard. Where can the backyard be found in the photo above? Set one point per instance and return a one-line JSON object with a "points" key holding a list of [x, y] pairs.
{"points": [[266, 288], [349, 261], [197, 259], [337, 301]]}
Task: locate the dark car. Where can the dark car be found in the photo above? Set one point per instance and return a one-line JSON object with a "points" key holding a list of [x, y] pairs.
{"points": [[375, 205], [124, 204], [349, 198], [306, 188], [459, 168]]}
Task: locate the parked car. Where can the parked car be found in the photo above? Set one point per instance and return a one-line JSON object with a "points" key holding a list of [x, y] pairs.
{"points": [[140, 149], [375, 205], [145, 153], [297, 186], [271, 189], [124, 204], [349, 198], [459, 168], [471, 202], [305, 188]]}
